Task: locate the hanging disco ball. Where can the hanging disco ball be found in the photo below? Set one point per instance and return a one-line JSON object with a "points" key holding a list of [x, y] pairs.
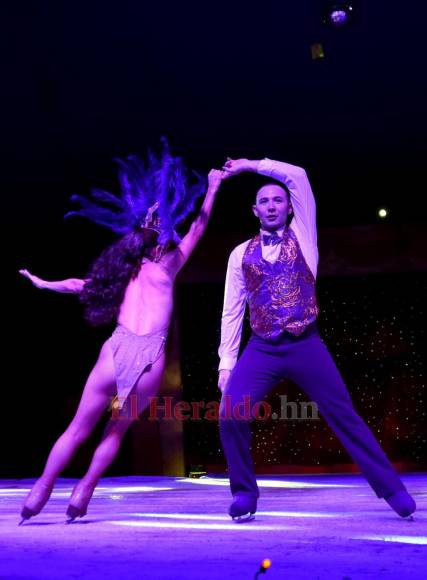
{"points": [[339, 14]]}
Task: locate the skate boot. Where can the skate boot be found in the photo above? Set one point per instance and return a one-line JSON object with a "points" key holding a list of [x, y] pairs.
{"points": [[79, 500], [243, 509], [35, 500], [402, 503]]}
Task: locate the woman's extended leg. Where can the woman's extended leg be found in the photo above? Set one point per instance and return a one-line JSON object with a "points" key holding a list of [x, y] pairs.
{"points": [[98, 392], [146, 387]]}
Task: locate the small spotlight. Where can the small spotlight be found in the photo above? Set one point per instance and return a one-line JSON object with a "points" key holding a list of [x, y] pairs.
{"points": [[317, 52], [196, 471], [265, 565], [339, 14], [382, 213]]}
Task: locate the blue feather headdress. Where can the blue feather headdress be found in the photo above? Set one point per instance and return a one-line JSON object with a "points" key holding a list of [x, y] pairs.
{"points": [[162, 183]]}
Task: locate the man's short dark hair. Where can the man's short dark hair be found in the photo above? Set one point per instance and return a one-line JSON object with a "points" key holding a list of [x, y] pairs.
{"points": [[263, 180]]}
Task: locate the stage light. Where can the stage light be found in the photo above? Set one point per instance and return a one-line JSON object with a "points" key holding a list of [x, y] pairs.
{"points": [[417, 540], [338, 14], [265, 565], [196, 471], [317, 52], [232, 527], [267, 483], [382, 213]]}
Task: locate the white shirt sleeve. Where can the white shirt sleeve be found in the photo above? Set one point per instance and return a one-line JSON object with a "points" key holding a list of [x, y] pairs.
{"points": [[303, 204], [302, 198], [234, 309]]}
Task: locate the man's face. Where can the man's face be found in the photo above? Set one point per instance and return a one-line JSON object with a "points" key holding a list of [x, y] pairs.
{"points": [[272, 207]]}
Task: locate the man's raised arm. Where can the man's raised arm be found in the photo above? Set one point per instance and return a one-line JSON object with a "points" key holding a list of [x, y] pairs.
{"points": [[295, 179]]}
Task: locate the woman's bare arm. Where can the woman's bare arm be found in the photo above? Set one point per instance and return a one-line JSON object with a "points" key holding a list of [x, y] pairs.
{"points": [[69, 286], [199, 225]]}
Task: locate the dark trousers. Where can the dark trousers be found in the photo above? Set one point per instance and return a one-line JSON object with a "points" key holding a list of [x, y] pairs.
{"points": [[306, 361]]}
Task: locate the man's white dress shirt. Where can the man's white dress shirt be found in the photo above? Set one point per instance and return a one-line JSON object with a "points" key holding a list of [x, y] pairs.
{"points": [[303, 225]]}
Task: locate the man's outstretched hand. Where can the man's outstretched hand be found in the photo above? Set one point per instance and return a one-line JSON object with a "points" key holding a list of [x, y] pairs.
{"points": [[235, 166]]}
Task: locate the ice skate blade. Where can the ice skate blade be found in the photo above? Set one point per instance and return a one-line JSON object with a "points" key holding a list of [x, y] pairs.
{"points": [[243, 518]]}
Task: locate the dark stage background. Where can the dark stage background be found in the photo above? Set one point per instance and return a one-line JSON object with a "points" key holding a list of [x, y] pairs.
{"points": [[84, 83]]}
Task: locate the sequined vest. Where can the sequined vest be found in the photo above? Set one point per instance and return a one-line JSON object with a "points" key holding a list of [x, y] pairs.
{"points": [[281, 295]]}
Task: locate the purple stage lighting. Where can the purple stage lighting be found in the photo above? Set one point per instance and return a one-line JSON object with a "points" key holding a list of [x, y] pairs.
{"points": [[339, 14], [338, 17]]}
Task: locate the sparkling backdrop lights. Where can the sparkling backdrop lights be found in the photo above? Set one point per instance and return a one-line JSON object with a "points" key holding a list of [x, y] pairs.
{"points": [[373, 326]]}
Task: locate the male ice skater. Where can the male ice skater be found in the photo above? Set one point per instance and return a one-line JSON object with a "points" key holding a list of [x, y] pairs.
{"points": [[275, 273]]}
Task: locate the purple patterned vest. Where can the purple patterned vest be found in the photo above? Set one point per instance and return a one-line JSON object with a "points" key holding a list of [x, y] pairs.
{"points": [[282, 295]]}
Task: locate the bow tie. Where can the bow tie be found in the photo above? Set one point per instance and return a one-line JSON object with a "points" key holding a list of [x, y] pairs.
{"points": [[272, 239]]}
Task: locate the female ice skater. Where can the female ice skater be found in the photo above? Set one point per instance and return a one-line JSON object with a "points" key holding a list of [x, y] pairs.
{"points": [[131, 283]]}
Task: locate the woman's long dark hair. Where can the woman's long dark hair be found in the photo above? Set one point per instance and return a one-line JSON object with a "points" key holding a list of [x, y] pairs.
{"points": [[110, 274]]}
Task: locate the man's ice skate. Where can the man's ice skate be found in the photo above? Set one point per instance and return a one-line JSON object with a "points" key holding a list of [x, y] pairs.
{"points": [[402, 503], [243, 509]]}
